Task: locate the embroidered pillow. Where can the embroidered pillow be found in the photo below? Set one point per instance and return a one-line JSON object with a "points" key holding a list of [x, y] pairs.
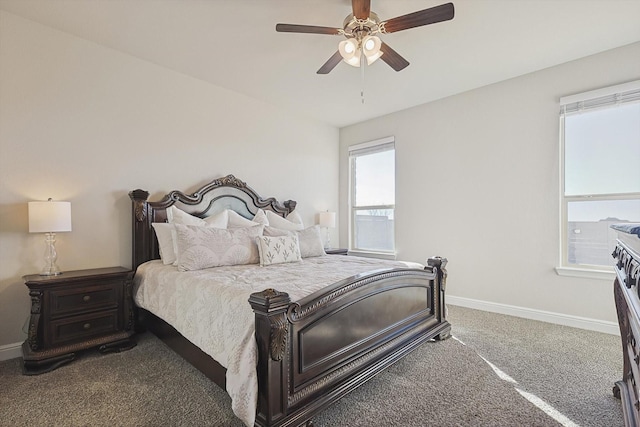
{"points": [[309, 239], [177, 216], [278, 250], [205, 247]]}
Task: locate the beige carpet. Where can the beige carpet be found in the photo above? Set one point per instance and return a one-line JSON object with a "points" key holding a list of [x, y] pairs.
{"points": [[440, 384]]}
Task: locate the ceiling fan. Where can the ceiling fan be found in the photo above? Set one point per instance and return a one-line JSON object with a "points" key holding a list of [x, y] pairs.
{"points": [[361, 28]]}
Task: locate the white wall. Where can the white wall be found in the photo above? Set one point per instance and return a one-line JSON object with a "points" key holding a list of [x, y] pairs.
{"points": [[477, 181], [87, 124]]}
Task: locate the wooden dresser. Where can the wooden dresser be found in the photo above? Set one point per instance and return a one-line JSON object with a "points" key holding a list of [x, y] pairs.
{"points": [[627, 298]]}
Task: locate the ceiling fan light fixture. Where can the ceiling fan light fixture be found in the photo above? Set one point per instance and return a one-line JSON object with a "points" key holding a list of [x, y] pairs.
{"points": [[371, 48], [350, 52]]}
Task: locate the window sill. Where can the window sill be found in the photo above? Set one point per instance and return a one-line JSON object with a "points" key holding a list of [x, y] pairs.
{"points": [[586, 273], [367, 254]]}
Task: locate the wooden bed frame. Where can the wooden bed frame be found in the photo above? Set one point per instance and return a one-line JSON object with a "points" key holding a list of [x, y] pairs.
{"points": [[313, 351]]}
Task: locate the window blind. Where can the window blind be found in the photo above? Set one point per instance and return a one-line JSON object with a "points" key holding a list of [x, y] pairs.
{"points": [[372, 147], [615, 95]]}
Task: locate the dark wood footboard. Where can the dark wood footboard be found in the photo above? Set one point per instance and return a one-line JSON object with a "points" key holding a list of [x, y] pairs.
{"points": [[314, 351]]}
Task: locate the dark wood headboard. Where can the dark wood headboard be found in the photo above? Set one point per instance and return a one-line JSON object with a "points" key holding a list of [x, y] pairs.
{"points": [[223, 193]]}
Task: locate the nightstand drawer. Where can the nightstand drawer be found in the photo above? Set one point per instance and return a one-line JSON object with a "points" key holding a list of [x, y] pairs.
{"points": [[82, 327], [79, 300]]}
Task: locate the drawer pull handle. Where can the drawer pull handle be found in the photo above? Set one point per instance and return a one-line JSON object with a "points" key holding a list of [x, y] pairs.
{"points": [[86, 298], [87, 326]]}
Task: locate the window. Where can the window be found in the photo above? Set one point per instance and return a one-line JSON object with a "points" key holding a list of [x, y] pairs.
{"points": [[600, 140], [372, 196]]}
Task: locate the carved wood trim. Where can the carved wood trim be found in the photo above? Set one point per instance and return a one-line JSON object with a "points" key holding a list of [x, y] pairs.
{"points": [[629, 264], [139, 198], [34, 321], [278, 336]]}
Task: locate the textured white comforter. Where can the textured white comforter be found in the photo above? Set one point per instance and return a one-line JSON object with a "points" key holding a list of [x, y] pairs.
{"points": [[210, 308]]}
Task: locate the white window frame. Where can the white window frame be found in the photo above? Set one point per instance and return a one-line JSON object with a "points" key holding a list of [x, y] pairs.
{"points": [[354, 151], [595, 99]]}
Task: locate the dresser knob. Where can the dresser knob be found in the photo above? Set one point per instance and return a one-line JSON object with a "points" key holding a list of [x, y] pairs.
{"points": [[86, 298], [87, 326]]}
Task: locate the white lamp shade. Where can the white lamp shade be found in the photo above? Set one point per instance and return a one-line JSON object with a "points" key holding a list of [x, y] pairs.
{"points": [[49, 217], [328, 219], [350, 52], [371, 46]]}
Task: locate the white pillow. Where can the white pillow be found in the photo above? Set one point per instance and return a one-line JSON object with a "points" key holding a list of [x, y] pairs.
{"points": [[237, 220], [295, 217], [205, 247], [311, 242], [277, 221], [219, 220], [278, 250], [177, 216], [164, 233], [309, 239], [261, 217]]}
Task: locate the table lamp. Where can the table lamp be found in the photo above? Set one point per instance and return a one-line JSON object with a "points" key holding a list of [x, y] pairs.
{"points": [[328, 220], [50, 217]]}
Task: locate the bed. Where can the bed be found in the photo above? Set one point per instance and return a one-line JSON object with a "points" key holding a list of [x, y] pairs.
{"points": [[310, 350]]}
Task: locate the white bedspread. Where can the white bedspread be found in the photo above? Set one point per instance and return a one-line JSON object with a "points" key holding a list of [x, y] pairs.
{"points": [[210, 308]]}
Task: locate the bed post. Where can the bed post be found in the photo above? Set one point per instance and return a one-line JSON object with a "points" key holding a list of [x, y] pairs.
{"points": [[438, 265], [141, 250], [272, 337]]}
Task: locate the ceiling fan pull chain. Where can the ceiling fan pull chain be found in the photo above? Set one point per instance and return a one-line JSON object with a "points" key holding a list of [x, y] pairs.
{"points": [[362, 65]]}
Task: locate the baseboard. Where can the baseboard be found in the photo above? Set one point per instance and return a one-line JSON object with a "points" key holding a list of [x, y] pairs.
{"points": [[540, 315], [10, 351]]}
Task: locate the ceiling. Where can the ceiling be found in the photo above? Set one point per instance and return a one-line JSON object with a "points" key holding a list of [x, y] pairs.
{"points": [[233, 44]]}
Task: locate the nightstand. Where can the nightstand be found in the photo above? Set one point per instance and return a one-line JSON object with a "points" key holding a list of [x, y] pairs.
{"points": [[74, 311], [336, 251]]}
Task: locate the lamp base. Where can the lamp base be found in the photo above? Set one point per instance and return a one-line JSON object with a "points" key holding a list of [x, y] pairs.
{"points": [[45, 272], [50, 257]]}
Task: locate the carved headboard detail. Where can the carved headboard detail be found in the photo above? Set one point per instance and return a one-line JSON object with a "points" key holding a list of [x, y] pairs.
{"points": [[223, 193]]}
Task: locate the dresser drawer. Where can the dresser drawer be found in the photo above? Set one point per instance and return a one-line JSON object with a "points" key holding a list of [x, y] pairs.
{"points": [[68, 301], [78, 328]]}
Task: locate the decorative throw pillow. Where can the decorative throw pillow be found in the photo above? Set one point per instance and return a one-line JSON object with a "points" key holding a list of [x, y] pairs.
{"points": [[205, 247], [277, 221], [164, 234], [309, 239], [278, 250], [178, 216]]}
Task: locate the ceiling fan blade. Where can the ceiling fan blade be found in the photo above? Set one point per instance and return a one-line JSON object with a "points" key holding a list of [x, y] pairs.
{"points": [[444, 12], [331, 63], [361, 8], [392, 58], [310, 29]]}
